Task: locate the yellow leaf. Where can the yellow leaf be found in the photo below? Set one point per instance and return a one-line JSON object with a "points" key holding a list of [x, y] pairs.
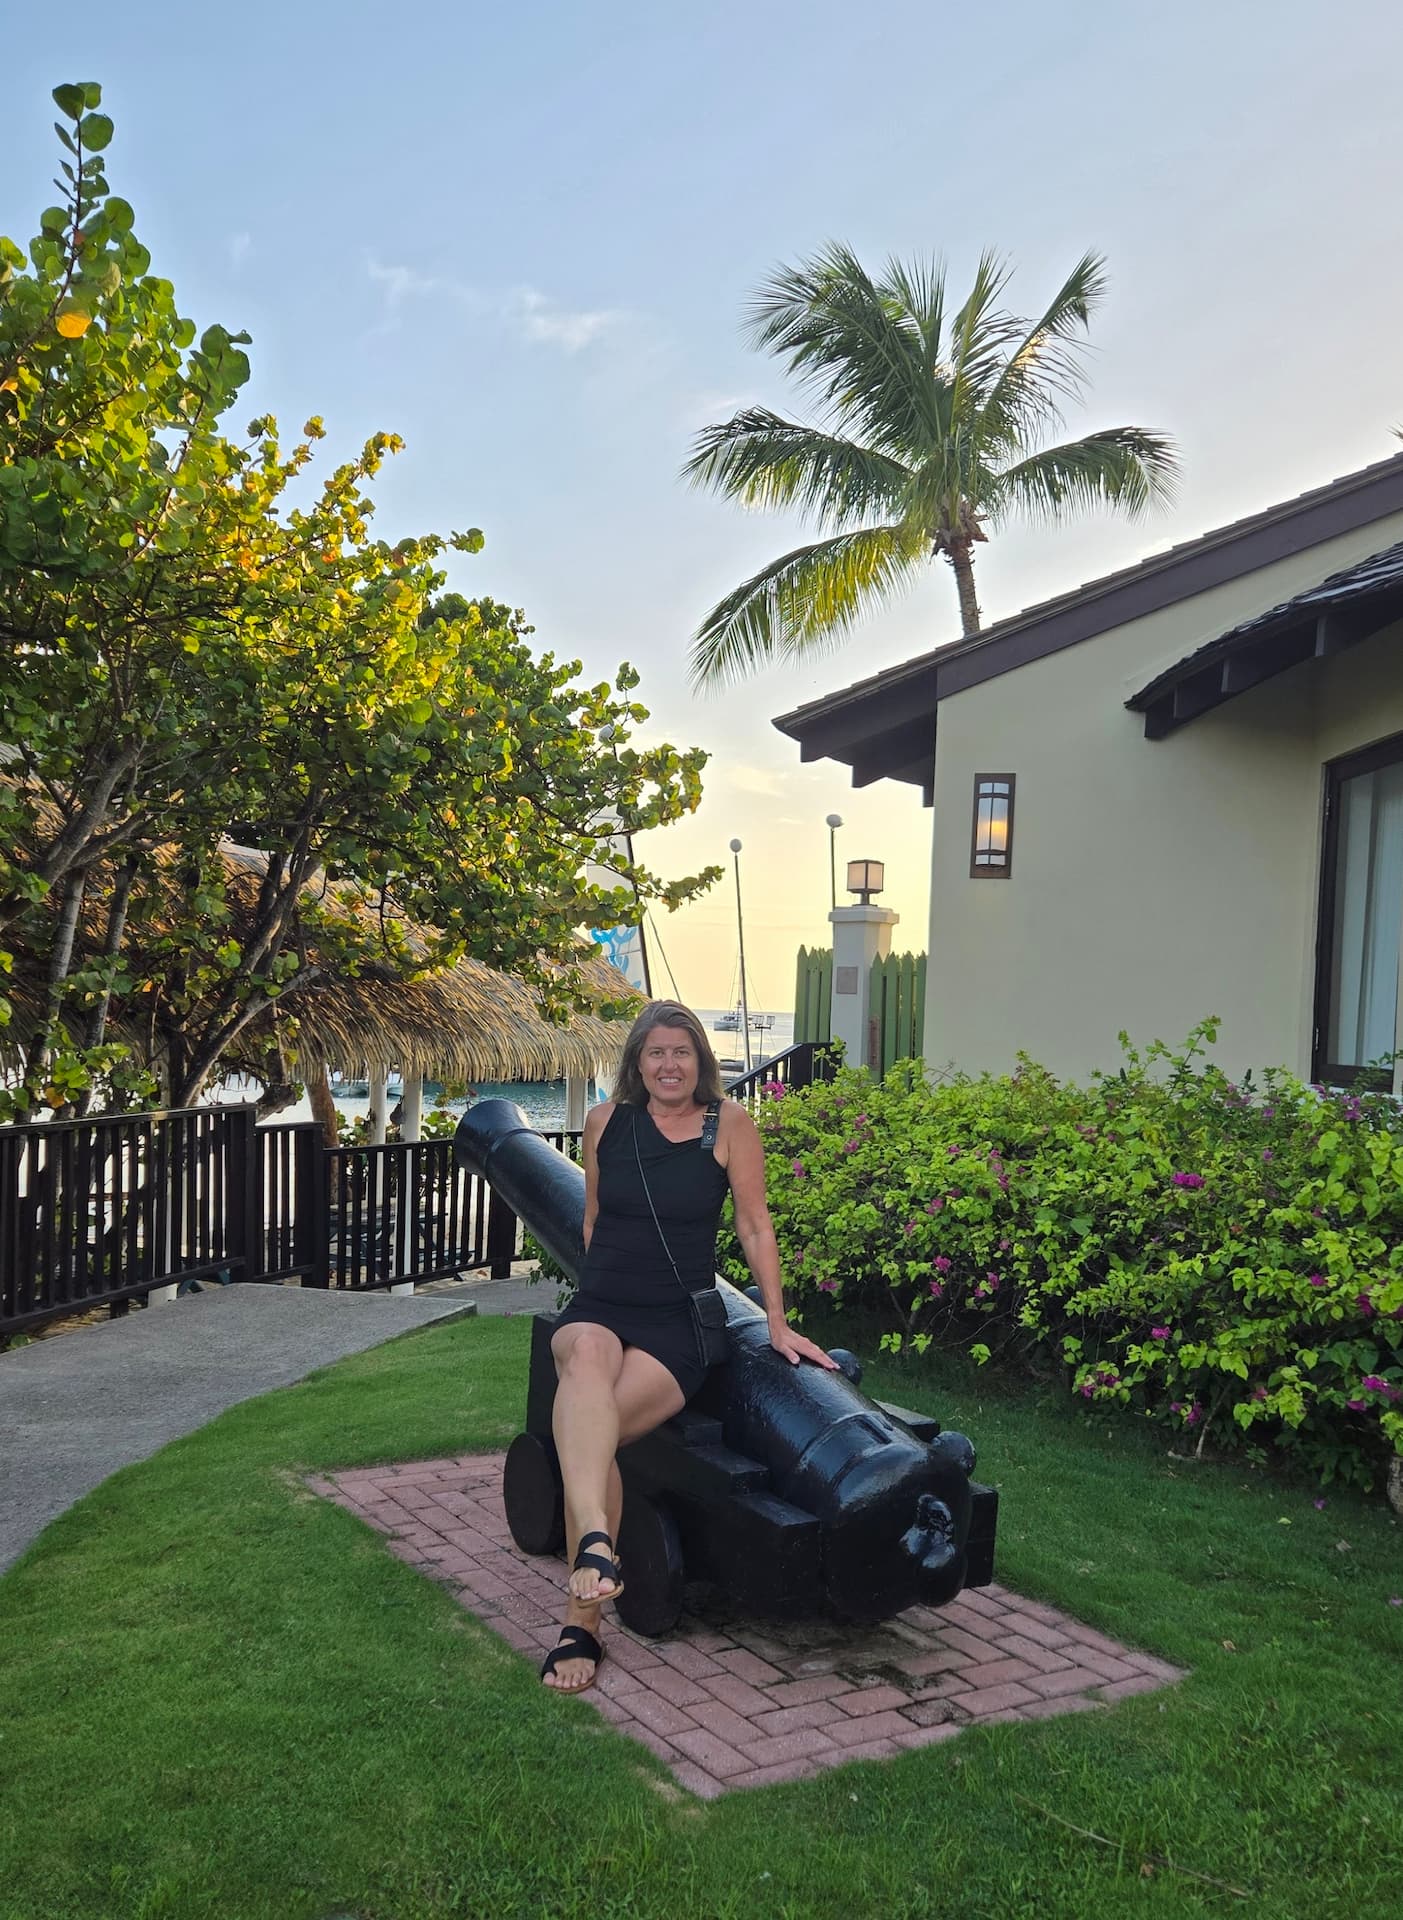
{"points": [[73, 325]]}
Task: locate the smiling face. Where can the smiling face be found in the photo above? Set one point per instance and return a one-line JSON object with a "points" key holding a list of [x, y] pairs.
{"points": [[668, 1064]]}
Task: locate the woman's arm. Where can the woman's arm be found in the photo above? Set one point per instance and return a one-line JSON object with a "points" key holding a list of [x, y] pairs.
{"points": [[595, 1122], [745, 1169]]}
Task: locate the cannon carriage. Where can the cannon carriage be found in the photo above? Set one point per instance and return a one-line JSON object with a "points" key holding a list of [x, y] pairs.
{"points": [[785, 1487]]}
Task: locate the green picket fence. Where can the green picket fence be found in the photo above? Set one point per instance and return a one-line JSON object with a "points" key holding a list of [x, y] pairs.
{"points": [[896, 1007], [896, 1002], [813, 995]]}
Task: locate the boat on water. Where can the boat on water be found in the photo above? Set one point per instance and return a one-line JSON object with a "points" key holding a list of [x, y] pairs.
{"points": [[730, 1022]]}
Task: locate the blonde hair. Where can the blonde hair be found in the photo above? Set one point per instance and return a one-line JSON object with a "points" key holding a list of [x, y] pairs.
{"points": [[629, 1089]]}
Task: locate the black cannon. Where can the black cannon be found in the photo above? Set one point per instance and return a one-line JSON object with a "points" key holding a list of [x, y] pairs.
{"points": [[786, 1487]]}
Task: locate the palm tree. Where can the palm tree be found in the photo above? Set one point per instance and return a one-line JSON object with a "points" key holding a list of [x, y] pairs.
{"points": [[932, 431]]}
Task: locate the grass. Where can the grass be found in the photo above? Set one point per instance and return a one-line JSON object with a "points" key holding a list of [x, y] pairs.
{"points": [[222, 1699]]}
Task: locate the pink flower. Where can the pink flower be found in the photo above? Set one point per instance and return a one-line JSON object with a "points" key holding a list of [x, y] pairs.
{"points": [[934, 1206], [1395, 1599], [1004, 1245], [1194, 1415], [952, 1151], [861, 1120], [936, 1289], [993, 1280], [1267, 1154], [909, 1227], [1188, 1179], [1356, 1406], [798, 1168], [1159, 1333], [851, 1146], [1259, 1393], [828, 1286], [1087, 1389], [1317, 1279], [1319, 1505], [941, 1264], [1365, 1305]]}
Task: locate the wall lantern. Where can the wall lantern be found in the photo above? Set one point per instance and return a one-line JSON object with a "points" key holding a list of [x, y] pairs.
{"points": [[991, 854], [866, 877]]}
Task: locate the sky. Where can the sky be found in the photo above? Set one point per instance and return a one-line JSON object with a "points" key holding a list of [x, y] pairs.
{"points": [[524, 238]]}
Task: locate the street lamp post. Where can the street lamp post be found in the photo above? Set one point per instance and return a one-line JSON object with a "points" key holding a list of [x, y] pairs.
{"points": [[740, 935], [834, 821]]}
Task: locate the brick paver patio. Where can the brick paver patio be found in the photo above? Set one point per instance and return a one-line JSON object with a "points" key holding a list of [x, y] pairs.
{"points": [[738, 1703]]}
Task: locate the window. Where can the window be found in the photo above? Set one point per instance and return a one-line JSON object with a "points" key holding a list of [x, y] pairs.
{"points": [[991, 853], [1361, 917]]}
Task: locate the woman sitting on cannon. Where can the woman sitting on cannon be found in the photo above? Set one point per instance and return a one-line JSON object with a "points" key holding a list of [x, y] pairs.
{"points": [[636, 1341]]}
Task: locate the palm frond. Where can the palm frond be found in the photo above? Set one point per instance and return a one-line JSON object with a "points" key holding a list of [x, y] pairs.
{"points": [[1126, 467], [764, 460], [854, 346], [1047, 364], [803, 602]]}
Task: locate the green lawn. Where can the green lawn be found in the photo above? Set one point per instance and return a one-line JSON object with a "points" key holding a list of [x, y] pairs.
{"points": [[222, 1697]]}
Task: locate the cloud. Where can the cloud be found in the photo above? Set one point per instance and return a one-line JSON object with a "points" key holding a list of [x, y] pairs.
{"points": [[240, 246], [401, 283], [761, 780], [541, 319], [527, 312]]}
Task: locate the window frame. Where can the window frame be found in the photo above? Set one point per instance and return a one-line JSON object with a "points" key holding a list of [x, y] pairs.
{"points": [[1325, 1072]]}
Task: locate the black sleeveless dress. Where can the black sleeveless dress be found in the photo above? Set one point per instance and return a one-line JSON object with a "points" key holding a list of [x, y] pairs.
{"points": [[627, 1283]]}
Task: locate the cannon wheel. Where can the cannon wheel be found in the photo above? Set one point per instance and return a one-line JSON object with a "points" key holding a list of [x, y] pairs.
{"points": [[650, 1554], [533, 1496]]}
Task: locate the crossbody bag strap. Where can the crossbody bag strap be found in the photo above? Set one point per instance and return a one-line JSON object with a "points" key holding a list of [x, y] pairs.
{"points": [[648, 1196], [686, 1290], [711, 1126]]}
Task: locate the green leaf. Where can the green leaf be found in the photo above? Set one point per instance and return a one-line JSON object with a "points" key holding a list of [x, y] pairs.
{"points": [[53, 220], [96, 130], [69, 100], [120, 214]]}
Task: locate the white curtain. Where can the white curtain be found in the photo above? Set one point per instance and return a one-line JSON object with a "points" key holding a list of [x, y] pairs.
{"points": [[1368, 918]]}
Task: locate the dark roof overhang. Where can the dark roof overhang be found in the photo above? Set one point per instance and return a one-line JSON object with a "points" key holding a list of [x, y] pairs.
{"points": [[1344, 609], [884, 727]]}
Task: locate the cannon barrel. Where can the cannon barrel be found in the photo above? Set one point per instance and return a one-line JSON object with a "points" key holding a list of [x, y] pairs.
{"points": [[892, 1505]]}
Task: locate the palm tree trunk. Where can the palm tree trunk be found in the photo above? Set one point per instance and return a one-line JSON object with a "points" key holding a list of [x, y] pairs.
{"points": [[962, 560]]}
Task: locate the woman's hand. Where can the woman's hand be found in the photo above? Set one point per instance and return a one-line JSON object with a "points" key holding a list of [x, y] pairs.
{"points": [[795, 1347]]}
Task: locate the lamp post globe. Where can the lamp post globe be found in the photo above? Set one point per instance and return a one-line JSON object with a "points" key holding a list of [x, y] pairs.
{"points": [[833, 822]]}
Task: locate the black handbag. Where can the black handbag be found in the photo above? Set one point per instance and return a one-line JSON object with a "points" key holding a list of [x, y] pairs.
{"points": [[708, 1309]]}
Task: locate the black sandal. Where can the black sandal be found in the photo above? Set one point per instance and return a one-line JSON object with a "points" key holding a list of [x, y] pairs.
{"points": [[575, 1643], [606, 1568]]}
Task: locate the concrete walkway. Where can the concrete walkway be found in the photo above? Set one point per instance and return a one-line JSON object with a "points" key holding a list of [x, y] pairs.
{"points": [[74, 1409]]}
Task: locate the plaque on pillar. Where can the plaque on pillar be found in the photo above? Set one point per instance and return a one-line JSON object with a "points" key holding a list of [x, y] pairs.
{"points": [[845, 979]]}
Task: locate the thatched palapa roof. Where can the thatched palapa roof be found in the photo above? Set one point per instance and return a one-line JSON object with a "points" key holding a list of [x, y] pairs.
{"points": [[466, 1022]]}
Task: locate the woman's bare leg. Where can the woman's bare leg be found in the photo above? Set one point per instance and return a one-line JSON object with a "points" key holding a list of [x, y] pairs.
{"points": [[645, 1394], [585, 1423]]}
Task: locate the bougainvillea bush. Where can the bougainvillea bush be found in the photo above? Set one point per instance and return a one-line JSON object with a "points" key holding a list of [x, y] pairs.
{"points": [[1225, 1258]]}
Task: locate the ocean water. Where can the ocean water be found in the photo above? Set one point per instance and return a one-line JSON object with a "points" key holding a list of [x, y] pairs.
{"points": [[543, 1101]]}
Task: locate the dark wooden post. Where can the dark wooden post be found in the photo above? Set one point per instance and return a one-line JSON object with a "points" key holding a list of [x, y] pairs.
{"points": [[244, 1185], [312, 1199]]}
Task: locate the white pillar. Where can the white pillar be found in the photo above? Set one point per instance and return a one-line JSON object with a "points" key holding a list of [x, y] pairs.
{"points": [[411, 1124], [860, 936], [379, 1104], [576, 1097]]}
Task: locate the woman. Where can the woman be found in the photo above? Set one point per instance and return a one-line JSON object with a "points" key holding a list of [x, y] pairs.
{"points": [[659, 1159]]}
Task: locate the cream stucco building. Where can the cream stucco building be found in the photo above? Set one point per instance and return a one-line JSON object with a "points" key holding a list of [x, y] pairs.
{"points": [[1176, 792]]}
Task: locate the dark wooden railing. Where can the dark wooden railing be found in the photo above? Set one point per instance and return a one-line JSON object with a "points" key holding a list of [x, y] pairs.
{"points": [[101, 1212], [798, 1066]]}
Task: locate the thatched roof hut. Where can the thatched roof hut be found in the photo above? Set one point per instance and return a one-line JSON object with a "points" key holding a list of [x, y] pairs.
{"points": [[466, 1022]]}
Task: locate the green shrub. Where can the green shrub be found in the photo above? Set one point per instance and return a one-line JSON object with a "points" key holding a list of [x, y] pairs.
{"points": [[1226, 1259]]}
